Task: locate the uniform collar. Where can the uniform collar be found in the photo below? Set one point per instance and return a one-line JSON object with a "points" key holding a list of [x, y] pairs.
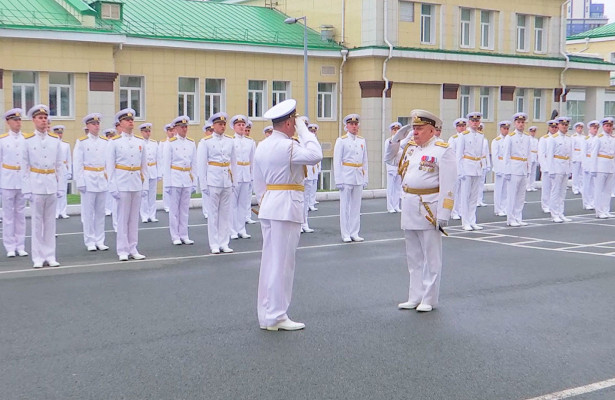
{"points": [[14, 133], [92, 136], [42, 134], [126, 134], [218, 135], [518, 132]]}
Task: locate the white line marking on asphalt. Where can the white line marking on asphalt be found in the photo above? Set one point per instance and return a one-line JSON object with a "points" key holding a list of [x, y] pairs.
{"points": [[565, 394]]}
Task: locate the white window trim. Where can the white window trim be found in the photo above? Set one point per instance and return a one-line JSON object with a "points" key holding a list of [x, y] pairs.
{"points": [[471, 28], [432, 29], [543, 109], [491, 34], [287, 92], [141, 95], [489, 96], [71, 103], [23, 86], [197, 105], [265, 100], [470, 101], [544, 35], [222, 96], [524, 98], [333, 94], [526, 37]]}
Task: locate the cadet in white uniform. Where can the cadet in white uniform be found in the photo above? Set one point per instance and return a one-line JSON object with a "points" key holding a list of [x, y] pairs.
{"points": [[41, 167], [208, 130], [531, 182], [170, 133], [460, 127], [91, 178], [517, 150], [497, 154], [242, 199], [267, 131], [66, 174], [393, 178], [603, 168], [278, 182], [588, 178], [558, 154], [470, 150], [148, 202], [13, 201], [247, 130], [486, 168], [314, 173], [110, 203], [428, 169], [351, 177], [578, 138], [216, 161], [545, 194], [179, 163], [127, 170]]}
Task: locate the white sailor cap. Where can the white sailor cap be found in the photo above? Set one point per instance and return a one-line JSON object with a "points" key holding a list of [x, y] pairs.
{"points": [[92, 118], [594, 122], [563, 120], [313, 126], [395, 125], [460, 121], [38, 110], [268, 128], [607, 120], [14, 113], [581, 124], [218, 117], [109, 132], [504, 123], [351, 118], [126, 113], [533, 128], [58, 128], [208, 125], [423, 117], [474, 115], [249, 124], [145, 126], [282, 111], [239, 118], [182, 120], [167, 127], [520, 116], [552, 123]]}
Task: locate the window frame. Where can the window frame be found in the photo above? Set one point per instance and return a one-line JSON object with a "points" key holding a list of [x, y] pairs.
{"points": [[522, 34], [539, 110], [325, 172], [466, 25], [462, 100], [542, 41], [432, 24], [195, 100], [254, 113], [58, 95], [23, 92], [487, 114], [321, 103], [522, 98], [140, 112], [276, 94], [211, 97], [490, 30]]}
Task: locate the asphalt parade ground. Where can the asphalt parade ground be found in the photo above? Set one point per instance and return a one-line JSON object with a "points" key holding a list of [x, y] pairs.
{"points": [[525, 313]]}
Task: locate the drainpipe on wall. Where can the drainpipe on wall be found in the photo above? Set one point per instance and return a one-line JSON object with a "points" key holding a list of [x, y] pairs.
{"points": [[386, 85], [341, 92], [562, 80]]}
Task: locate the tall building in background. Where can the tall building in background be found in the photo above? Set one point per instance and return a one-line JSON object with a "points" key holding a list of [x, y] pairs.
{"points": [[584, 15]]}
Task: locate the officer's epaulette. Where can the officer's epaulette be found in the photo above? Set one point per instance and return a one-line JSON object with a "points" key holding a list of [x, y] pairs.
{"points": [[600, 135], [116, 137], [4, 135], [412, 143], [174, 138], [545, 136], [192, 140], [465, 132], [248, 137], [296, 139], [207, 137], [53, 135], [103, 137], [163, 140], [441, 144], [556, 135], [525, 133], [498, 138], [512, 134], [345, 136], [139, 137], [360, 137], [481, 132], [28, 135], [455, 136], [152, 140], [64, 141], [228, 136], [587, 137]]}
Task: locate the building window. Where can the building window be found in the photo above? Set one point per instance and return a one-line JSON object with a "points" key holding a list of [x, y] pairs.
{"points": [[520, 101], [428, 26], [465, 100], [281, 91], [538, 105], [187, 98], [465, 35], [486, 30], [25, 94], [522, 32], [403, 120], [131, 94], [576, 110], [326, 101], [609, 108], [214, 96], [256, 98], [110, 11], [539, 35], [406, 11], [60, 94], [324, 179], [485, 103]]}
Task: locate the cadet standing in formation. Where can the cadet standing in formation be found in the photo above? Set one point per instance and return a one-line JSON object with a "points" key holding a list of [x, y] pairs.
{"points": [[393, 178], [460, 127], [313, 174], [351, 177], [558, 154], [244, 154], [578, 139], [170, 133], [11, 184], [517, 150], [588, 178], [531, 182], [208, 130], [545, 195], [66, 173], [497, 154], [154, 171], [603, 168]]}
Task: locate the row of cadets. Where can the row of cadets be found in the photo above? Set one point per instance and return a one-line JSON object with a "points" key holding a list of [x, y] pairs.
{"points": [[179, 183], [11, 185], [216, 165], [486, 164], [588, 178], [393, 177], [350, 166], [602, 168], [207, 131], [470, 151], [460, 127], [66, 174], [578, 140], [545, 194], [531, 182], [154, 171], [310, 183], [497, 155], [516, 154], [243, 176], [557, 156]]}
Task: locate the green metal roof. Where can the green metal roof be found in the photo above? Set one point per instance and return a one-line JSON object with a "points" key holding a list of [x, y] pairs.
{"points": [[600, 32], [201, 21]]}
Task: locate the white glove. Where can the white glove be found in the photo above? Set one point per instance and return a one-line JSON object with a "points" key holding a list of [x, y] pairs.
{"points": [[302, 130], [441, 223], [115, 194], [144, 193], [27, 196], [69, 177], [594, 174], [401, 133], [507, 177], [193, 189], [81, 189], [59, 193], [167, 190], [205, 192], [340, 187]]}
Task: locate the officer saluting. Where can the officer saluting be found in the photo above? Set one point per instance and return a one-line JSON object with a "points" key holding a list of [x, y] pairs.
{"points": [[428, 169], [278, 183]]}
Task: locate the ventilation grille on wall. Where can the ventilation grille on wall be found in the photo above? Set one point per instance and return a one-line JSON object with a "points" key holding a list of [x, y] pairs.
{"points": [[327, 70]]}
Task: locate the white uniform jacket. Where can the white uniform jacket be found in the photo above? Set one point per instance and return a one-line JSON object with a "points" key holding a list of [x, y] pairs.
{"points": [[89, 163], [486, 156], [559, 151], [42, 163], [11, 157], [603, 154], [350, 160], [497, 154], [154, 168], [216, 161], [244, 154], [391, 165], [542, 152], [127, 163], [588, 146], [517, 150], [533, 149], [577, 147], [179, 162], [470, 152], [430, 166], [280, 160], [67, 160]]}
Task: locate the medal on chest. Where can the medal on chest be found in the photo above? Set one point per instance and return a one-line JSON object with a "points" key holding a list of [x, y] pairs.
{"points": [[427, 164]]}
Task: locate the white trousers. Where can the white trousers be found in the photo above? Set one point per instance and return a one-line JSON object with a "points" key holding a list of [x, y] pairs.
{"points": [[588, 190], [393, 190], [531, 182], [43, 209], [457, 207], [577, 176], [424, 255], [469, 194], [515, 192], [220, 216], [93, 217], [481, 188], [499, 194], [165, 200], [128, 206], [148, 203], [205, 204], [350, 210], [61, 201], [179, 207], [545, 193], [313, 190], [275, 281], [602, 194], [249, 204], [307, 183], [13, 220], [558, 194], [240, 201]]}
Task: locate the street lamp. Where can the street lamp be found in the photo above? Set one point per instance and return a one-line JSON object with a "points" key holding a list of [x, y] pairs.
{"points": [[305, 57]]}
